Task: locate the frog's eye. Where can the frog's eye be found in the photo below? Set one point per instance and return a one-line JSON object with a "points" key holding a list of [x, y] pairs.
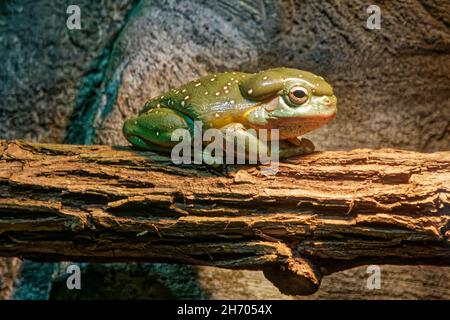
{"points": [[298, 95]]}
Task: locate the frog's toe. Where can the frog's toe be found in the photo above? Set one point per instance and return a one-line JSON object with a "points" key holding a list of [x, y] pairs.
{"points": [[301, 146], [304, 143]]}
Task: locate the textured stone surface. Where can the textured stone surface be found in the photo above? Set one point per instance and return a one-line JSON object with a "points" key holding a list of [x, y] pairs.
{"points": [[128, 281], [9, 268], [35, 281], [44, 62]]}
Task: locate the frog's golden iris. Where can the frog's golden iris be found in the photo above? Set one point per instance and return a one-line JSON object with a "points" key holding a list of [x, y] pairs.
{"points": [[298, 95], [291, 100]]}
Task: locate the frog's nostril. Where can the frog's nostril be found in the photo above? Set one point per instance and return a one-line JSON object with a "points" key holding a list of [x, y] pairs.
{"points": [[328, 101]]}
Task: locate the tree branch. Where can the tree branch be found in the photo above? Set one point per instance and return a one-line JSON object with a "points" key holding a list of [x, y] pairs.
{"points": [[320, 213]]}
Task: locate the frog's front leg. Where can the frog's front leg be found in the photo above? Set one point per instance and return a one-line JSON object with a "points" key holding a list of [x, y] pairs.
{"points": [[254, 147], [245, 143]]}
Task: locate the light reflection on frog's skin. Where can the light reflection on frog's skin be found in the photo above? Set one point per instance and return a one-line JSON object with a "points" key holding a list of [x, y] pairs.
{"points": [[291, 100]]}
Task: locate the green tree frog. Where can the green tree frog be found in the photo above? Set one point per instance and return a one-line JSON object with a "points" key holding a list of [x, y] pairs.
{"points": [[290, 100]]}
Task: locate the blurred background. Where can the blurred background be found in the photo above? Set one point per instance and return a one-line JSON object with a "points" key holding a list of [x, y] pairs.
{"points": [[67, 85]]}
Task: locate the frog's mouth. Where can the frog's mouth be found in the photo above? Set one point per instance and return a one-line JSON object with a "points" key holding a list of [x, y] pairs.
{"points": [[305, 119], [293, 121], [318, 109]]}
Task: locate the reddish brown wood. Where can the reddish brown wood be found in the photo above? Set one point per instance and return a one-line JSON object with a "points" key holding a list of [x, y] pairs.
{"points": [[320, 213]]}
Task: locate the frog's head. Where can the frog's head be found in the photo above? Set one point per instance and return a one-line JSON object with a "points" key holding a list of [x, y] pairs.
{"points": [[291, 100]]}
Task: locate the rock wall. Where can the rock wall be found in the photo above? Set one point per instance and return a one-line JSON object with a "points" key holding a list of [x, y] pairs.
{"points": [[41, 75]]}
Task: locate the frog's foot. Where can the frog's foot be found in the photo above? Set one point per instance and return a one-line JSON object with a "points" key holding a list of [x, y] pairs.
{"points": [[295, 147], [142, 144]]}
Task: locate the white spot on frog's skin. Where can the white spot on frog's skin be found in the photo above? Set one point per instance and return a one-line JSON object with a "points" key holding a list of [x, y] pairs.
{"points": [[217, 93], [158, 105], [265, 78], [135, 123], [225, 88], [231, 79], [162, 97], [229, 83], [236, 81], [182, 103], [177, 92], [183, 91], [233, 73], [212, 79], [300, 76], [217, 115], [197, 84], [250, 91], [157, 133], [232, 101], [226, 91], [206, 93], [187, 97]]}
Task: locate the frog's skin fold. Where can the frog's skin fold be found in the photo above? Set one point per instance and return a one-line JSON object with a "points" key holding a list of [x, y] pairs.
{"points": [[291, 100]]}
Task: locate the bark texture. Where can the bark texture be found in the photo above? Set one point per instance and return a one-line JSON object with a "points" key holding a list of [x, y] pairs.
{"points": [[319, 214]]}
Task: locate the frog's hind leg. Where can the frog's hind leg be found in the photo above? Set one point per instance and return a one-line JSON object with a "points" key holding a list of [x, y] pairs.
{"points": [[142, 144], [153, 129]]}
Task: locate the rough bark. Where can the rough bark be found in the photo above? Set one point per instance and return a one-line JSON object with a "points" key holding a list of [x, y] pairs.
{"points": [[320, 213]]}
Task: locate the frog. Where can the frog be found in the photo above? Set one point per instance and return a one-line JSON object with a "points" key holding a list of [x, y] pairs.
{"points": [[291, 100]]}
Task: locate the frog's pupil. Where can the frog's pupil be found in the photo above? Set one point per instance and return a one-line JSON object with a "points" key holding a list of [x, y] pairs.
{"points": [[299, 93]]}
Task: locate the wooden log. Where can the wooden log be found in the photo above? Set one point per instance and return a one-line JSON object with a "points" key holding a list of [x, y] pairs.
{"points": [[320, 213]]}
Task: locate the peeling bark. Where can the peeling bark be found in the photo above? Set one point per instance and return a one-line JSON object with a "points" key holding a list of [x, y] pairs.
{"points": [[320, 213]]}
